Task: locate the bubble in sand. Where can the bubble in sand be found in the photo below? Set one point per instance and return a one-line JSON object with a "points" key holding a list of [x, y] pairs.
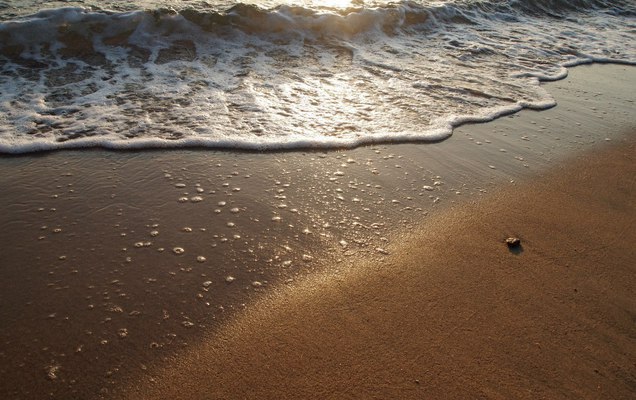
{"points": [[51, 372], [201, 259], [139, 245], [187, 324], [200, 190], [183, 199], [257, 284], [428, 188], [307, 258], [235, 210], [122, 333], [338, 173], [230, 224], [186, 229], [207, 284], [230, 279], [221, 203], [57, 230], [276, 218], [196, 199], [178, 250], [180, 185]]}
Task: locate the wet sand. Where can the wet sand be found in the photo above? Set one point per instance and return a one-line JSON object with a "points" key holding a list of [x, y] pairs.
{"points": [[95, 300], [452, 312]]}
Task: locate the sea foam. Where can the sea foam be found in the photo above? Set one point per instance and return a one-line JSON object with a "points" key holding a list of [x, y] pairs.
{"points": [[289, 76]]}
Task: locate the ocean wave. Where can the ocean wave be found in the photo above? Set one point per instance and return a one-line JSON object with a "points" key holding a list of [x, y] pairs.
{"points": [[289, 76], [390, 18]]}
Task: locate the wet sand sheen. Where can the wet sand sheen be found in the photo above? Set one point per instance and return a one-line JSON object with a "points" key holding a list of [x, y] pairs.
{"points": [[114, 261], [452, 313]]}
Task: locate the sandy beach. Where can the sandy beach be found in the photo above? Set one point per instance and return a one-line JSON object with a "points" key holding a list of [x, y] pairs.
{"points": [[452, 312], [378, 272]]}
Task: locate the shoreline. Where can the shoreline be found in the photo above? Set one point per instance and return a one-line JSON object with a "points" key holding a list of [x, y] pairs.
{"points": [[202, 144], [94, 299], [452, 312]]}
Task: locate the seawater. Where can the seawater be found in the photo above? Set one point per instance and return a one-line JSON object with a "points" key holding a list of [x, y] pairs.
{"points": [[286, 74]]}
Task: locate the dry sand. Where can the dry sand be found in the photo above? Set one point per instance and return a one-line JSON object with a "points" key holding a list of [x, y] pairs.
{"points": [[452, 312], [93, 299]]}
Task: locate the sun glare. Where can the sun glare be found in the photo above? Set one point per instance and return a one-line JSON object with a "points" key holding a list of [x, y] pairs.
{"points": [[334, 3], [330, 3]]}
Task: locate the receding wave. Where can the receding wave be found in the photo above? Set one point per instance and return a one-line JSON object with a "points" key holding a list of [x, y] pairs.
{"points": [[289, 76]]}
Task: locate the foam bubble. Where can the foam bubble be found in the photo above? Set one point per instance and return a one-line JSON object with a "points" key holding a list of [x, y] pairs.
{"points": [[52, 372], [391, 73]]}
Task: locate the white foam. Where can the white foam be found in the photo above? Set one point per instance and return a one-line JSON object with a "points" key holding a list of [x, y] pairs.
{"points": [[287, 78]]}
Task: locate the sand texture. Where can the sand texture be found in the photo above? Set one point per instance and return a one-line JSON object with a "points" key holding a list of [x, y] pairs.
{"points": [[452, 312], [375, 272]]}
